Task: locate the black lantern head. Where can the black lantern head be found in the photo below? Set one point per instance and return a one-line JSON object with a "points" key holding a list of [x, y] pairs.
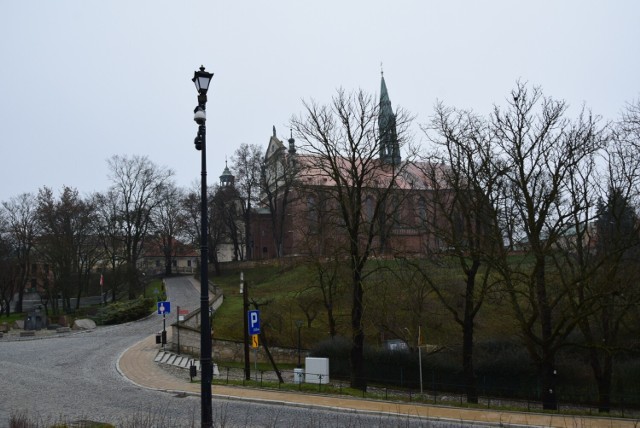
{"points": [[202, 79]]}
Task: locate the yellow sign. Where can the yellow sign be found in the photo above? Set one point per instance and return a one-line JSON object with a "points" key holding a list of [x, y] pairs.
{"points": [[254, 341]]}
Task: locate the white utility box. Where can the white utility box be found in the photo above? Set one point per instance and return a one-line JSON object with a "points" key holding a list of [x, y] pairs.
{"points": [[298, 376], [316, 370]]}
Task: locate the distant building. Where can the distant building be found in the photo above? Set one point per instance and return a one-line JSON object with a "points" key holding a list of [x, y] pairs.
{"points": [[302, 224], [157, 259]]}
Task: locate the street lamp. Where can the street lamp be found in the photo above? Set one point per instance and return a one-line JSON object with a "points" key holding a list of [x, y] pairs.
{"points": [[299, 324], [202, 79]]}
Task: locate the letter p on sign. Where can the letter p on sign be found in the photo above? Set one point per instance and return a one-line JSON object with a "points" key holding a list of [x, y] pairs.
{"points": [[254, 322]]}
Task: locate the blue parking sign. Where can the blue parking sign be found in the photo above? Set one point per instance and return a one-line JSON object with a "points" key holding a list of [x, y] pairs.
{"points": [[254, 322]]}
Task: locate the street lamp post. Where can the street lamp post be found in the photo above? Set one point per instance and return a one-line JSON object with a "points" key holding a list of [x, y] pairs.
{"points": [[299, 324], [202, 79]]}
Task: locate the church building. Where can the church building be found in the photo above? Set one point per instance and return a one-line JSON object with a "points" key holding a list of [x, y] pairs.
{"points": [[289, 221]]}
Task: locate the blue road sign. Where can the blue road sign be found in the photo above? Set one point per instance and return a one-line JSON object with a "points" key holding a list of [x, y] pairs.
{"points": [[164, 308], [254, 322]]}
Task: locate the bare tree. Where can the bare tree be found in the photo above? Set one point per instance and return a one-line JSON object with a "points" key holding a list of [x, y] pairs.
{"points": [[108, 228], [136, 184], [600, 262], [465, 182], [340, 144], [539, 148], [66, 243], [401, 299], [246, 163], [326, 285], [9, 268], [168, 222], [21, 228]]}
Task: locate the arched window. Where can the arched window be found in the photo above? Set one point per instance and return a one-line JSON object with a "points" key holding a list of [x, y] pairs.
{"points": [[312, 213], [422, 209], [369, 207]]}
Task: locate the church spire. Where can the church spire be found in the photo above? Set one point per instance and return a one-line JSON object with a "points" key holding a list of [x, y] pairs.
{"points": [[389, 146], [292, 143]]}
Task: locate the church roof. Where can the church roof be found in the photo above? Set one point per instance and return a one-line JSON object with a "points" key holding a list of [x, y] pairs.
{"points": [[414, 175]]}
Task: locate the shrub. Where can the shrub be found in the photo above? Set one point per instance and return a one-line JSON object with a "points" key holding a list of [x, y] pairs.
{"points": [[125, 311]]}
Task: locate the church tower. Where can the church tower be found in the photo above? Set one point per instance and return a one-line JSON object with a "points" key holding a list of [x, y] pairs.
{"points": [[389, 146], [226, 179]]}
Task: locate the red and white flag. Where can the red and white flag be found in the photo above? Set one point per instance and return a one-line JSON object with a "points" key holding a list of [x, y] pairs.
{"points": [[101, 280]]}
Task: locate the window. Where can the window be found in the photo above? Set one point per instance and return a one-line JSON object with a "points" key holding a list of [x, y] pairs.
{"points": [[422, 209], [369, 207], [397, 211], [312, 213]]}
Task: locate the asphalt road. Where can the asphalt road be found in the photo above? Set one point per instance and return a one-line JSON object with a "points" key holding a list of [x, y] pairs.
{"points": [[75, 377]]}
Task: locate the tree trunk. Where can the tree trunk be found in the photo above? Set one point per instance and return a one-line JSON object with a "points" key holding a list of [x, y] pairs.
{"points": [[78, 297], [467, 363], [603, 374], [216, 266], [548, 377], [131, 281], [331, 321], [467, 335], [358, 380], [547, 365], [21, 287]]}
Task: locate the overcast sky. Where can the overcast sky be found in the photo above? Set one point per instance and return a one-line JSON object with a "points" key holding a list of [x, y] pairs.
{"points": [[83, 80]]}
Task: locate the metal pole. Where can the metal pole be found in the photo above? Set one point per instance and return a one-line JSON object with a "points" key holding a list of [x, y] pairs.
{"points": [[164, 329], [202, 79], [420, 357], [205, 325], [245, 310], [298, 346], [178, 328], [299, 325]]}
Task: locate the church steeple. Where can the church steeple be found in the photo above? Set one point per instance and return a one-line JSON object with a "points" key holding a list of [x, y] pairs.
{"points": [[389, 146], [226, 179], [292, 144]]}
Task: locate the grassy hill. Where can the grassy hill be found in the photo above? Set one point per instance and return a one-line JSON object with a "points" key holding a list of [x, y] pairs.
{"points": [[283, 290]]}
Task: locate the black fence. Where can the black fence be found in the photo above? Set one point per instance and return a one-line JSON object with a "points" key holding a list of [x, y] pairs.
{"points": [[433, 391]]}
